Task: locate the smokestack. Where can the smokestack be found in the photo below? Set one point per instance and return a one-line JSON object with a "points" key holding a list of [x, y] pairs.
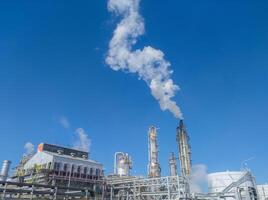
{"points": [[184, 149], [172, 165], [154, 169], [4, 170]]}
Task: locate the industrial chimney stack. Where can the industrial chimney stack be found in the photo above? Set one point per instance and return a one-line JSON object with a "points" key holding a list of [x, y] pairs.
{"points": [[184, 150], [154, 169]]}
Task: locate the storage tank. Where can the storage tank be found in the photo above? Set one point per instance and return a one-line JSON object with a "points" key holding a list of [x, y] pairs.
{"points": [[233, 185], [263, 191], [122, 164], [218, 181], [4, 170]]}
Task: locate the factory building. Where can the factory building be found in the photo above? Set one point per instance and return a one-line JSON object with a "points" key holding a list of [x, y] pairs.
{"points": [[60, 173], [57, 165]]}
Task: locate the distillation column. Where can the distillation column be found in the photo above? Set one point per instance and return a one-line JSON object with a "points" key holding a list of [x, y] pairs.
{"points": [[154, 169], [172, 165], [184, 150]]}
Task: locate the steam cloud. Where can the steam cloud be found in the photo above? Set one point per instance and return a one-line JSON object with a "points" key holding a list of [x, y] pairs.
{"points": [[29, 148], [83, 142], [64, 122], [148, 63], [198, 178]]}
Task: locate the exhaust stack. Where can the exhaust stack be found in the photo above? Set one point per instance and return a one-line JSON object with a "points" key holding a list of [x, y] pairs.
{"points": [[154, 169], [184, 149]]}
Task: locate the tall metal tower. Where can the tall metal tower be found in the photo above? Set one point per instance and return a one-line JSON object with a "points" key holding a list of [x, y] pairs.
{"points": [[172, 165], [184, 149], [154, 169]]}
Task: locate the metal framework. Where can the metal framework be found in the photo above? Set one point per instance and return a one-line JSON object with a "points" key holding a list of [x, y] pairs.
{"points": [[138, 188], [16, 190]]}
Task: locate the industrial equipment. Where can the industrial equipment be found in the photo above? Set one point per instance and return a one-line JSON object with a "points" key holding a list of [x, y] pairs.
{"points": [[184, 149], [5, 170], [154, 169], [122, 164], [172, 165]]}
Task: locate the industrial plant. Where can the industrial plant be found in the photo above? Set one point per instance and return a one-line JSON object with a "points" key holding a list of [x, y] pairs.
{"points": [[59, 173]]}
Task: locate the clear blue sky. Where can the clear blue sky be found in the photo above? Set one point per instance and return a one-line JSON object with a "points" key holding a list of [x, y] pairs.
{"points": [[52, 65]]}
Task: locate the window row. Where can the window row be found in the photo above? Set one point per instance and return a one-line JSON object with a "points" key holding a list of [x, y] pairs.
{"points": [[72, 168]]}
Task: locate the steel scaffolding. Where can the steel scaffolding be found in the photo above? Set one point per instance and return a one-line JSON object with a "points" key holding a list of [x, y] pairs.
{"points": [[138, 188]]}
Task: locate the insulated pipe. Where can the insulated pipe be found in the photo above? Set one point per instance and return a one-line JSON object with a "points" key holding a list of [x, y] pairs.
{"points": [[4, 170]]}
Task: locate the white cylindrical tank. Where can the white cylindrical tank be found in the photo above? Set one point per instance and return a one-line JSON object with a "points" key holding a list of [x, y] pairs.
{"points": [[218, 181], [4, 170], [263, 191], [122, 164]]}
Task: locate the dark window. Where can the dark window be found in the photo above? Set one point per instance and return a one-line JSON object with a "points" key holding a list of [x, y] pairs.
{"points": [[85, 170], [79, 169], [97, 172], [91, 172], [65, 167], [72, 168]]}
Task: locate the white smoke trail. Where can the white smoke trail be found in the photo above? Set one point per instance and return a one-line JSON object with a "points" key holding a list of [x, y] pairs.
{"points": [[29, 148], [148, 63], [64, 122], [198, 178], [83, 142]]}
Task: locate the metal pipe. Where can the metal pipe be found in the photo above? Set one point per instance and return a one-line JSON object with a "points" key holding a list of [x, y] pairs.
{"points": [[5, 170]]}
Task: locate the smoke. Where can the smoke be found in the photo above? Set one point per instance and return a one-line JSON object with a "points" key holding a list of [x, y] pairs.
{"points": [[82, 142], [148, 63], [29, 148], [64, 122], [198, 178]]}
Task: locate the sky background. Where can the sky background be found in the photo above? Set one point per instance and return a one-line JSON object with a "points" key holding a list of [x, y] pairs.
{"points": [[52, 66]]}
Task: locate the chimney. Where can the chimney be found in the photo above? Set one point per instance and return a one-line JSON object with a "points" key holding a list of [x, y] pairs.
{"points": [[184, 149]]}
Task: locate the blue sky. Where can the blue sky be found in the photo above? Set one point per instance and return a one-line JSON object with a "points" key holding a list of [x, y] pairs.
{"points": [[52, 64]]}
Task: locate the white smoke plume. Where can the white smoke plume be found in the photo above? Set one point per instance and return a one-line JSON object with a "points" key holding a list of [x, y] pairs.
{"points": [[148, 63], [64, 122], [198, 178], [29, 148], [82, 142]]}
